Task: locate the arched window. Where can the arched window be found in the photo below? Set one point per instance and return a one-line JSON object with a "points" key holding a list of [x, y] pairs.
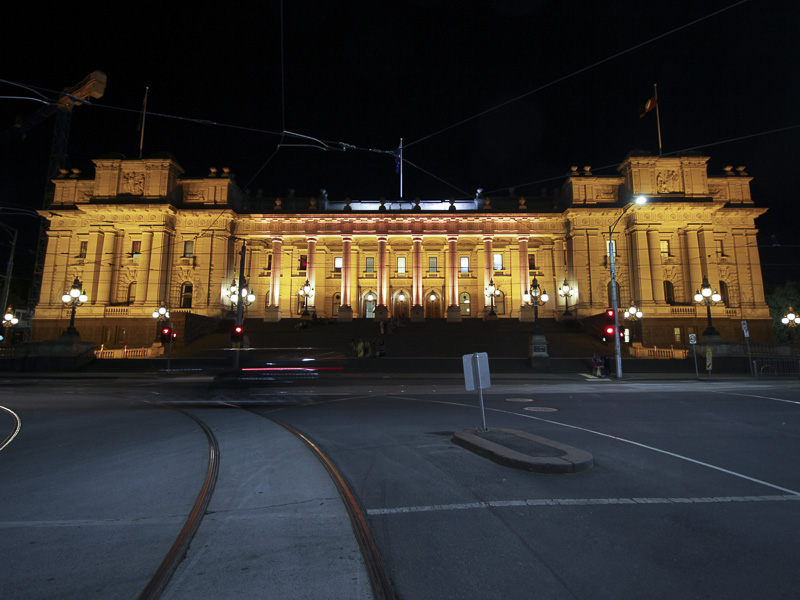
{"points": [[337, 301], [669, 292], [464, 304], [723, 291], [186, 295], [131, 293], [370, 299]]}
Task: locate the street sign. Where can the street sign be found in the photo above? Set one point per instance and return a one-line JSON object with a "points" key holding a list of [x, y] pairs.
{"points": [[708, 359], [744, 329], [692, 338], [476, 376]]}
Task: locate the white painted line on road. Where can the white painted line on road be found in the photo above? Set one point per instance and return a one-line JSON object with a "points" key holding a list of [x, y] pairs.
{"points": [[17, 427], [619, 439], [762, 397], [575, 502]]}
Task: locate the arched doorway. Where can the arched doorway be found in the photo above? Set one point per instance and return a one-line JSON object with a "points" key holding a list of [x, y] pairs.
{"points": [[401, 303], [370, 299], [337, 301], [464, 304], [433, 306]]}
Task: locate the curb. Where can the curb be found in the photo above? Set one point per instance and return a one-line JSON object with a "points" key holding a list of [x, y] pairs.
{"points": [[569, 460]]}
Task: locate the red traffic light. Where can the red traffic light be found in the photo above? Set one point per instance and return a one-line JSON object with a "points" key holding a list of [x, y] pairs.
{"points": [[610, 313], [165, 331], [238, 329], [610, 330]]}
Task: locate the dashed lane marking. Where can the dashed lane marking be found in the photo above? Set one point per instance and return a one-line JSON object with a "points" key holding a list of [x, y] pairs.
{"points": [[576, 502]]}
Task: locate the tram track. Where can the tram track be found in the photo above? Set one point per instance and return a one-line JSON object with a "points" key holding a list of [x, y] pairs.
{"points": [[17, 426]]}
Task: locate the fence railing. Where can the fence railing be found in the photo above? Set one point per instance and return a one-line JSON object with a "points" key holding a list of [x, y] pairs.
{"points": [[772, 367], [126, 352], [655, 352]]}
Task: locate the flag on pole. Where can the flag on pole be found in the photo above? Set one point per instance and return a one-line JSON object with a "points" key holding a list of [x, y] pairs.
{"points": [[648, 106]]}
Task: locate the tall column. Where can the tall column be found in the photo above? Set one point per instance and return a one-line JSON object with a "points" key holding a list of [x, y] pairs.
{"points": [[709, 256], [345, 307], [641, 267], [159, 263], [273, 311], [93, 264], [143, 272], [383, 271], [488, 268], [107, 267], [657, 272], [559, 271], [451, 279], [754, 269], [311, 270], [692, 264], [524, 271], [416, 270], [115, 269]]}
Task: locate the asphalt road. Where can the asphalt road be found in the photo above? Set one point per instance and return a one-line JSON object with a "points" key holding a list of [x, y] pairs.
{"points": [[694, 493]]}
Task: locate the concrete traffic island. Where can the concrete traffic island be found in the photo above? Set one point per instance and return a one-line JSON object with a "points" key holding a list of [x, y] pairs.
{"points": [[523, 450]]}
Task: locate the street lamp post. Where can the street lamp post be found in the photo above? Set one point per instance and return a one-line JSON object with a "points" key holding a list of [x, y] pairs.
{"points": [[9, 320], [705, 296], [565, 291], [73, 299], [537, 296], [633, 314], [161, 315], [639, 200], [792, 321], [492, 291], [305, 292]]}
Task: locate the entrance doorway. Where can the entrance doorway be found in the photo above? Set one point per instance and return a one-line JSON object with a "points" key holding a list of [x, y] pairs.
{"points": [[433, 306]]}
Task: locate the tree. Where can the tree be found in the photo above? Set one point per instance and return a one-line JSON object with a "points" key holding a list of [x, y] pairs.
{"points": [[779, 300]]}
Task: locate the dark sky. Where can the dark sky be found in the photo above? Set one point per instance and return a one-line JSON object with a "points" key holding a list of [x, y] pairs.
{"points": [[368, 73]]}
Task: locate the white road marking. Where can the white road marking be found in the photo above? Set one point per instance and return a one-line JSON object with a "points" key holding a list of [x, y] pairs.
{"points": [[17, 427], [762, 397], [575, 502]]}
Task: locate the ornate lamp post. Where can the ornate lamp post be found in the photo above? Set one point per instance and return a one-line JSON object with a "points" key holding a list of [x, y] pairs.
{"points": [[162, 315], [792, 321], [9, 320], [705, 296], [565, 291], [73, 299], [491, 292], [305, 292], [537, 296], [638, 201], [633, 314]]}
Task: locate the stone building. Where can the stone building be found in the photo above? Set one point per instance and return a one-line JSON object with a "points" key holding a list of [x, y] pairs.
{"points": [[140, 233]]}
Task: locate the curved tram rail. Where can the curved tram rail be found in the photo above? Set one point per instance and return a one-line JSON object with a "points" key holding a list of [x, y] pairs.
{"points": [[379, 580], [17, 427]]}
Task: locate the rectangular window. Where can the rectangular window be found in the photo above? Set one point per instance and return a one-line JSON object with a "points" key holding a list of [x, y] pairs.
{"points": [[136, 248], [531, 262], [665, 248], [83, 249], [498, 262], [337, 264], [401, 265], [465, 264], [676, 334], [431, 264], [269, 262], [370, 266], [188, 249], [303, 262]]}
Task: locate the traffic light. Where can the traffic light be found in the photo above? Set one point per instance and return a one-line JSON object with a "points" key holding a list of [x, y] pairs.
{"points": [[167, 334], [237, 334], [608, 325]]}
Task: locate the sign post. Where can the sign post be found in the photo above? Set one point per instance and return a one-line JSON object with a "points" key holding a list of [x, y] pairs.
{"points": [[747, 341], [693, 342], [476, 377], [708, 361]]}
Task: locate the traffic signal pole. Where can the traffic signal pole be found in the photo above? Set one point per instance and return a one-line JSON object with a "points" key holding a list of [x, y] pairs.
{"points": [[614, 307], [240, 304]]}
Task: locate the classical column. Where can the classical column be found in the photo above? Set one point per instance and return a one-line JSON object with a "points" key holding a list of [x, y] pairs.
{"points": [[383, 271], [657, 271], [107, 267], [692, 264], [92, 266], [710, 257], [273, 311], [451, 277], [524, 271], [159, 252], [311, 271], [346, 308], [417, 308], [488, 268], [55, 265], [641, 269], [143, 272]]}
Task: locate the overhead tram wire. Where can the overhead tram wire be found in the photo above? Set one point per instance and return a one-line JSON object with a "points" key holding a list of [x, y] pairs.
{"points": [[574, 73]]}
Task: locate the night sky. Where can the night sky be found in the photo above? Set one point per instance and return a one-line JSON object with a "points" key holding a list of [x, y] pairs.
{"points": [[492, 94]]}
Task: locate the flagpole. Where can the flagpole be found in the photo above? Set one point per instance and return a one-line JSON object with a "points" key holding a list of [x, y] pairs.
{"points": [[144, 114], [658, 117], [401, 168]]}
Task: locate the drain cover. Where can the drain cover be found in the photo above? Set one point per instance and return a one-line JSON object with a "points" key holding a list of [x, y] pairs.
{"points": [[540, 409], [519, 399]]}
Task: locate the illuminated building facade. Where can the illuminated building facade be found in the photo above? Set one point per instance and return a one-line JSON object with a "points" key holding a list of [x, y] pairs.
{"points": [[140, 234]]}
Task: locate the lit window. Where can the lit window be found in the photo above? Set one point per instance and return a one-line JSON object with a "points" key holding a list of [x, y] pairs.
{"points": [[401, 264], [498, 262], [188, 249], [665, 248], [431, 264], [465, 264], [83, 248], [676, 334], [337, 264], [370, 266]]}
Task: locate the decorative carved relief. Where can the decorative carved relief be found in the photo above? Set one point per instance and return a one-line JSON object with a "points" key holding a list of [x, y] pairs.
{"points": [[668, 182], [133, 183]]}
